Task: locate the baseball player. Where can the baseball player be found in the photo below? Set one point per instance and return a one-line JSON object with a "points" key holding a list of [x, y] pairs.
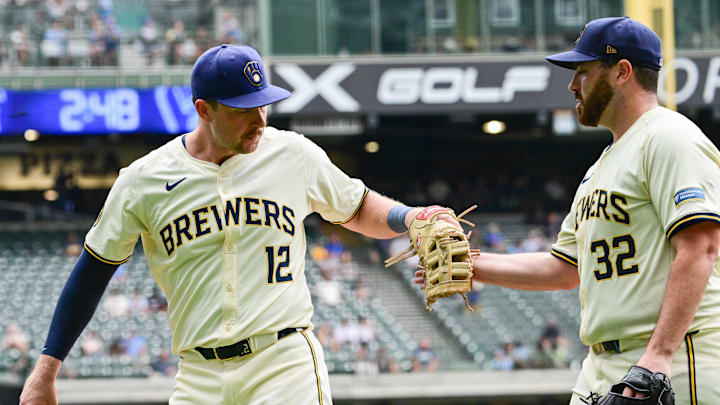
{"points": [[642, 236], [220, 212]]}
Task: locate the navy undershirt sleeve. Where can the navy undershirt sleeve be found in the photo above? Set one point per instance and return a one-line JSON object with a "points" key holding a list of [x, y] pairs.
{"points": [[77, 303]]}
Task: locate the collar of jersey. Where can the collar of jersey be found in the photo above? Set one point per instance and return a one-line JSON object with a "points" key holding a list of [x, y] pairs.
{"points": [[642, 120]]}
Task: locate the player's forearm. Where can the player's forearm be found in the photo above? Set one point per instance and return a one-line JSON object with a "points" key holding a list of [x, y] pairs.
{"points": [[685, 288], [77, 304], [371, 218], [697, 250], [525, 271]]}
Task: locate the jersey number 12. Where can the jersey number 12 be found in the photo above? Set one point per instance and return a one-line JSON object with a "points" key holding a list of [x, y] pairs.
{"points": [[281, 256]]}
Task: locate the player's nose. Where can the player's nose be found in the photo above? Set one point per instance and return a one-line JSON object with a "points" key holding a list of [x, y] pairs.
{"points": [[258, 117], [574, 84]]}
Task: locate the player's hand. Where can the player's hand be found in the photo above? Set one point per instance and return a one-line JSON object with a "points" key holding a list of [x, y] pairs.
{"points": [[38, 391], [419, 278], [445, 217], [654, 363], [39, 388], [449, 219]]}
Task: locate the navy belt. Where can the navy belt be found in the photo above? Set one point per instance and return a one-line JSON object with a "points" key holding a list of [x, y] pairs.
{"points": [[239, 349], [628, 344]]}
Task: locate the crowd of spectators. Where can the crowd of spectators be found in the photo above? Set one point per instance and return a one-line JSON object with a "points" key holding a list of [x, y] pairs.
{"points": [[95, 32], [341, 279], [538, 238], [347, 333], [550, 351], [358, 335], [338, 279], [501, 191], [69, 32], [122, 307], [17, 344], [337, 269]]}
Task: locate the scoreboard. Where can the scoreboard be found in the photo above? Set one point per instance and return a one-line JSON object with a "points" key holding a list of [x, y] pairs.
{"points": [[164, 109]]}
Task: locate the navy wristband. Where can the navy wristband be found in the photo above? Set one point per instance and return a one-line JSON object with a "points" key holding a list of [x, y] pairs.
{"points": [[396, 218]]}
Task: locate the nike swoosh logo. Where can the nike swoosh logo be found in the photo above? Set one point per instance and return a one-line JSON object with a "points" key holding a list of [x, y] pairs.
{"points": [[583, 180], [169, 186]]}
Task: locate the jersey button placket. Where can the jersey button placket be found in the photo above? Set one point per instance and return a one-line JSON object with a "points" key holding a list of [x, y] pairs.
{"points": [[228, 298], [228, 280], [223, 183]]}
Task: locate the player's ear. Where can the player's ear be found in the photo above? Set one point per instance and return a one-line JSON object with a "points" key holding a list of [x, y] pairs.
{"points": [[624, 71], [204, 109]]}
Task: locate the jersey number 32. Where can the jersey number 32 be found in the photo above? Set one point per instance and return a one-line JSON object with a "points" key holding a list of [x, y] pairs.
{"points": [[602, 249]]}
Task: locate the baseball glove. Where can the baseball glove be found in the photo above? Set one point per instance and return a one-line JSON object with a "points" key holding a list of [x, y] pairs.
{"points": [[656, 387], [444, 253]]}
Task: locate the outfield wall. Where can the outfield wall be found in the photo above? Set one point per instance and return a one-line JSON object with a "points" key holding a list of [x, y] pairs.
{"points": [[524, 387]]}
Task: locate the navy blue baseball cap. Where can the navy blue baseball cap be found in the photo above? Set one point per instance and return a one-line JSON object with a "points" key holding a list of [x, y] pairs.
{"points": [[613, 38], [234, 75]]}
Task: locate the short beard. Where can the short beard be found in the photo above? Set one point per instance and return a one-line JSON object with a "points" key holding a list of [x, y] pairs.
{"points": [[593, 107]]}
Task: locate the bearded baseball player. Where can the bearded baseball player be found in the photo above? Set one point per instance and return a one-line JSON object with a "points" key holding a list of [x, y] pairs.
{"points": [[642, 236], [220, 212]]}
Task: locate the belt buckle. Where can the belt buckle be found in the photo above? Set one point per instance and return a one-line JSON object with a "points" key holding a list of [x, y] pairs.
{"points": [[611, 346], [607, 346]]}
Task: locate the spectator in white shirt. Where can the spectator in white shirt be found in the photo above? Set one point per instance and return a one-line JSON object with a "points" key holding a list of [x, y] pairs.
{"points": [[138, 303], [328, 291], [117, 304], [366, 333], [347, 332]]}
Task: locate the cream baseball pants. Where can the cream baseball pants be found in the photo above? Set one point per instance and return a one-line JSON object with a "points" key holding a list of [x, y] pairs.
{"points": [[291, 371], [695, 369]]}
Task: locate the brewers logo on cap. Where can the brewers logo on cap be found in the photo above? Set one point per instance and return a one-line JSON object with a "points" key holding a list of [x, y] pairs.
{"points": [[253, 73]]}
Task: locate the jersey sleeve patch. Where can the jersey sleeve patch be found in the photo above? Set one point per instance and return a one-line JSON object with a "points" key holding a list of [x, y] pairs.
{"points": [[690, 193], [564, 257], [356, 209], [690, 219], [102, 259]]}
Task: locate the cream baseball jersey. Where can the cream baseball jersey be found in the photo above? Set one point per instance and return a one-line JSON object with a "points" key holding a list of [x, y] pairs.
{"points": [[661, 176], [226, 243]]}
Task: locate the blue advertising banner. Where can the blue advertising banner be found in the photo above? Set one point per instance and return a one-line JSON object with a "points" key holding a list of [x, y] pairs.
{"points": [[167, 110]]}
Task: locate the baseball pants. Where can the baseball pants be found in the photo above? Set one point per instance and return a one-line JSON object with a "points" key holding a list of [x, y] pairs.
{"points": [[292, 371], [695, 370]]}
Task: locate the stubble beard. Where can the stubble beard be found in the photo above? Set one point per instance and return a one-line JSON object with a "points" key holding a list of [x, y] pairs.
{"points": [[243, 145], [591, 109], [248, 146]]}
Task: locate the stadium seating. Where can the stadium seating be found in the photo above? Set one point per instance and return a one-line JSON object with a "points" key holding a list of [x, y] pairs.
{"points": [[505, 315], [35, 266]]}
